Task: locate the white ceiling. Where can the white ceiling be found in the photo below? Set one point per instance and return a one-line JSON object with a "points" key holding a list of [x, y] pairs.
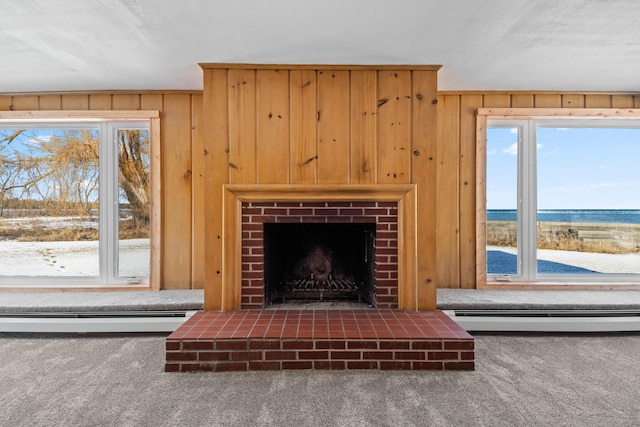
{"points": [[67, 45]]}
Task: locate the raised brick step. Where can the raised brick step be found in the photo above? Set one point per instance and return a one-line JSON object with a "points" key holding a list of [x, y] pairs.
{"points": [[319, 339]]}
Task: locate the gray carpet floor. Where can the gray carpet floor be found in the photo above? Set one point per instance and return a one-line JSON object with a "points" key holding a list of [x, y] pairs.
{"points": [[520, 380]]}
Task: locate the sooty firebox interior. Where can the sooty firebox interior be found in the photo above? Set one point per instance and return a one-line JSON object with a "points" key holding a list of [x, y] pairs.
{"points": [[319, 262]]}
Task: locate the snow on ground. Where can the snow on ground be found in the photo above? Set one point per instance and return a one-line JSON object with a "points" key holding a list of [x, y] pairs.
{"points": [[35, 259]]}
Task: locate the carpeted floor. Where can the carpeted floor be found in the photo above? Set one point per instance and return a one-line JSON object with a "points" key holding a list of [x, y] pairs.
{"points": [[520, 380]]}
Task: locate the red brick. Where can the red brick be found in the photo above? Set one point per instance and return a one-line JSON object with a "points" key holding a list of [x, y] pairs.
{"points": [[467, 355], [426, 345], [197, 345], [264, 366], [325, 211], [362, 365], [191, 356], [443, 355], [395, 365], [297, 345], [369, 345], [279, 355], [301, 211], [330, 345], [377, 355], [214, 355], [459, 366], [264, 345], [345, 355], [304, 364], [252, 291], [410, 355], [196, 367], [458, 345], [231, 345], [432, 366], [172, 345], [232, 366], [276, 211], [172, 367], [306, 355], [394, 345]]}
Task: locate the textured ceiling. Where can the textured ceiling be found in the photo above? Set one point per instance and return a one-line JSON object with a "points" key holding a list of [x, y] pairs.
{"points": [[66, 45]]}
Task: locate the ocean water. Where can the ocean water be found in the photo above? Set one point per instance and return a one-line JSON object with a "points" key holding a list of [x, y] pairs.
{"points": [[611, 216]]}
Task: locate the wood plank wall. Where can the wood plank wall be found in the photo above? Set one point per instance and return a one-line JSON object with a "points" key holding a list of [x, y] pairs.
{"points": [[455, 207], [182, 146], [318, 125], [326, 126]]}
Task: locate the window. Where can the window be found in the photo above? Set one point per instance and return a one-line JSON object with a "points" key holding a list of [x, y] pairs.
{"points": [[75, 199], [561, 198]]}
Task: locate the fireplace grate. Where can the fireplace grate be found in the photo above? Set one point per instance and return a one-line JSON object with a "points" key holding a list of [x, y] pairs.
{"points": [[330, 288]]}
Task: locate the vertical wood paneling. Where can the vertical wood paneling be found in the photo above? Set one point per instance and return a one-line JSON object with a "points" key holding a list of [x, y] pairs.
{"points": [[75, 102], [100, 101], [423, 173], [447, 196], [216, 164], [363, 127], [572, 101], [50, 102], [125, 101], [394, 127], [303, 138], [151, 102], [23, 103], [272, 118], [198, 193], [5, 103], [468, 106], [242, 126], [636, 101], [333, 127], [522, 101], [176, 186], [597, 101], [622, 101], [548, 100], [499, 100]]}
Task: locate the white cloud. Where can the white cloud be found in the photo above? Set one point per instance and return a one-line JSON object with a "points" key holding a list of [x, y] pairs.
{"points": [[512, 149], [37, 140], [491, 152]]}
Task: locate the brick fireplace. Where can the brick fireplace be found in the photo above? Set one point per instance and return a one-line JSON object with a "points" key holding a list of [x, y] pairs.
{"points": [[319, 144], [382, 216]]}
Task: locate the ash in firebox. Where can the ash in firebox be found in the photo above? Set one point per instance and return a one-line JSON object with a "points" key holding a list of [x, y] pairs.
{"points": [[319, 264]]}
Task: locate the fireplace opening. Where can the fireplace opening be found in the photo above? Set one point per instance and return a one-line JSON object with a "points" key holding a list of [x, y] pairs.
{"points": [[319, 262]]}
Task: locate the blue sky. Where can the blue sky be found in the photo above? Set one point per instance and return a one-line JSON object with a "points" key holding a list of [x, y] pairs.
{"points": [[578, 168]]}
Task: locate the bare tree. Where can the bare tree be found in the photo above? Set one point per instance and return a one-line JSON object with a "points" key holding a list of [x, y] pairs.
{"points": [[133, 171]]}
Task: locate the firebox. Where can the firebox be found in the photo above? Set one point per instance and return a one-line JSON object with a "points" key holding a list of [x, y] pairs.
{"points": [[319, 262]]}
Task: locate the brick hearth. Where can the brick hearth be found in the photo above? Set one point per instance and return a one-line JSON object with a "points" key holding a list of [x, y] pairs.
{"points": [[319, 339]]}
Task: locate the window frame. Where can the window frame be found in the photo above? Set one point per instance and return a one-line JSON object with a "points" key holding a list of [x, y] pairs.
{"points": [[528, 120], [108, 121]]}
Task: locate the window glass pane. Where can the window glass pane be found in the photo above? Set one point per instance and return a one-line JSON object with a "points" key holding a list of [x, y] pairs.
{"points": [[502, 200], [49, 202], [134, 196], [588, 217]]}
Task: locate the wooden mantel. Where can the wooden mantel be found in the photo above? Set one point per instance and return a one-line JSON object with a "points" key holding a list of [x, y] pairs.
{"points": [[313, 127]]}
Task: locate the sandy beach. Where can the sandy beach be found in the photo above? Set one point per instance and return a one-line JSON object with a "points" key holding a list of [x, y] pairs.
{"points": [[571, 262]]}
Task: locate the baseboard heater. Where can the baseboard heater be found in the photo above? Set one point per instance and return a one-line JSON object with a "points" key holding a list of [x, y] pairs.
{"points": [[94, 322], [547, 320]]}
